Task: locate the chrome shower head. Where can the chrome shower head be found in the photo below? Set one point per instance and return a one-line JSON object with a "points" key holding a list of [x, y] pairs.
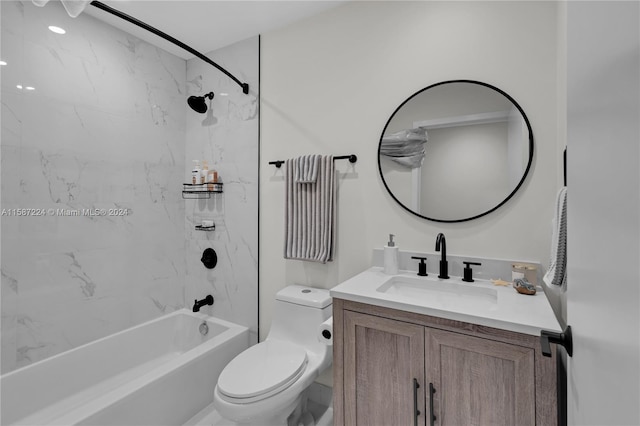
{"points": [[198, 104]]}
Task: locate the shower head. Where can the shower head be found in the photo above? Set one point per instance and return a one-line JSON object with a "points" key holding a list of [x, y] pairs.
{"points": [[197, 102]]}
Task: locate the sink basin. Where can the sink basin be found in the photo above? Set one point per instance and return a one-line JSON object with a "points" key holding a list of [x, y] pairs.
{"points": [[443, 293]]}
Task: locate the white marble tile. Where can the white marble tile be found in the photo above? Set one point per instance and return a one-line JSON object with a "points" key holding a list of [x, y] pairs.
{"points": [[103, 129], [11, 185], [12, 113], [95, 64], [106, 128], [8, 319], [227, 138]]}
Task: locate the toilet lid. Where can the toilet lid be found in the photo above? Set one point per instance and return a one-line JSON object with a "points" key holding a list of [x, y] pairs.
{"points": [[262, 369]]}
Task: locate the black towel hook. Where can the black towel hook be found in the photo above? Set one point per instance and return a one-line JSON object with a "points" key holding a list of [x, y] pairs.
{"points": [[564, 339]]}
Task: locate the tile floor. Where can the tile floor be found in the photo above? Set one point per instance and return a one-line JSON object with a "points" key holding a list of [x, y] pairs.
{"points": [[319, 405]]}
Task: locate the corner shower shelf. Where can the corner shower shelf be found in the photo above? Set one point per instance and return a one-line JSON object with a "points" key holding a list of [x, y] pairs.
{"points": [[205, 228], [200, 190]]}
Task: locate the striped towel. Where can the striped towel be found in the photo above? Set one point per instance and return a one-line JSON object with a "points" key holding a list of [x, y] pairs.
{"points": [[306, 169], [557, 273], [309, 213]]}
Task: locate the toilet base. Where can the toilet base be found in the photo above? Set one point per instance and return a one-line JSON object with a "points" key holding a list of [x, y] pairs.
{"points": [[294, 414], [301, 415]]}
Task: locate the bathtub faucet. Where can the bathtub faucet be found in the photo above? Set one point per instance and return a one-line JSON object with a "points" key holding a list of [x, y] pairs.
{"points": [[200, 303]]}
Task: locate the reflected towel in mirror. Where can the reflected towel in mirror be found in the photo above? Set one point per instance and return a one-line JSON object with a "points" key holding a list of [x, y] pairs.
{"points": [[405, 147]]}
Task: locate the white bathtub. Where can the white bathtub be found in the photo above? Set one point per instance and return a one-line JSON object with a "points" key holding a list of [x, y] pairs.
{"points": [[161, 372]]}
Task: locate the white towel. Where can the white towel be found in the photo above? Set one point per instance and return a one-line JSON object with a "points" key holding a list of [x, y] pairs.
{"points": [[557, 273], [405, 147], [310, 213]]}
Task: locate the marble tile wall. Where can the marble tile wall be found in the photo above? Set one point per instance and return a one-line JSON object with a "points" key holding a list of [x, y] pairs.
{"points": [[103, 129], [227, 137]]}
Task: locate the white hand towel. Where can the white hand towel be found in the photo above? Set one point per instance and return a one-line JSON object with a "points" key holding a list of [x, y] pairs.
{"points": [[555, 277]]}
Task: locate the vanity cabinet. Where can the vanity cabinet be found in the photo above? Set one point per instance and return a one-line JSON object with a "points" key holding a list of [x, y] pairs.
{"points": [[382, 357], [468, 374], [479, 381]]}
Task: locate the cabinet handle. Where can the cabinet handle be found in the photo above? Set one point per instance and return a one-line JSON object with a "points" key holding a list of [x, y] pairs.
{"points": [[432, 390], [416, 412]]}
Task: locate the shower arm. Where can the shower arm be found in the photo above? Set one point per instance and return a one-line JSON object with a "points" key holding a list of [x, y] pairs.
{"points": [[129, 18]]}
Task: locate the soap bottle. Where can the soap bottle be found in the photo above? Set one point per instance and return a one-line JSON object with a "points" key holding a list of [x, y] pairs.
{"points": [[210, 179], [391, 257], [204, 171], [195, 173]]}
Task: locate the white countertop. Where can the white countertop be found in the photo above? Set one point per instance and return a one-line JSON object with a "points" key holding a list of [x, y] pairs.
{"points": [[488, 305]]}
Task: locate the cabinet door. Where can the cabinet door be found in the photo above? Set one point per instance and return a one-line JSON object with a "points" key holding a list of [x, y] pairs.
{"points": [[382, 357], [479, 381]]}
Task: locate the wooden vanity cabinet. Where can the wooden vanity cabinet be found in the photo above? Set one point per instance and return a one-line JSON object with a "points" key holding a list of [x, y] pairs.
{"points": [[382, 356], [479, 375]]}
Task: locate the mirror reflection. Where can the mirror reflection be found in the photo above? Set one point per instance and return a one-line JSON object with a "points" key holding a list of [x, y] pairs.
{"points": [[455, 151]]}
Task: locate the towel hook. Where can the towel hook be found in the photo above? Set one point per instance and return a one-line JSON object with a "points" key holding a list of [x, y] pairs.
{"points": [[563, 339]]}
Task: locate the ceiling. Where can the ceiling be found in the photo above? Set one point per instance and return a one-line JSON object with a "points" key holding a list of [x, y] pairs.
{"points": [[207, 25]]}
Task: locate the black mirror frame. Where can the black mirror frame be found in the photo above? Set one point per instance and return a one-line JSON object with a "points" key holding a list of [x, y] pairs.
{"points": [[524, 176]]}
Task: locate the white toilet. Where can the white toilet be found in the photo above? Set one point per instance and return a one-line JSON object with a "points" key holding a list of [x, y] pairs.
{"points": [[267, 383]]}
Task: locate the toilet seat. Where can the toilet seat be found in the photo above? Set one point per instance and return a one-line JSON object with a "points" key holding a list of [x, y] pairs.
{"points": [[261, 371]]}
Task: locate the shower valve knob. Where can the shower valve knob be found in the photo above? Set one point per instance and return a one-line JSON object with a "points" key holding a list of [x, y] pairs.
{"points": [[209, 258]]}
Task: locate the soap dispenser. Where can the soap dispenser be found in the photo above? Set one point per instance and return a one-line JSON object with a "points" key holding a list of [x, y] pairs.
{"points": [[391, 257]]}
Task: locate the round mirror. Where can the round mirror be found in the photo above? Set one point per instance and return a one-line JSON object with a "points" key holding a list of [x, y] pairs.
{"points": [[455, 151]]}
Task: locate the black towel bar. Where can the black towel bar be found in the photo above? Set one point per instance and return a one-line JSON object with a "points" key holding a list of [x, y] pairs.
{"points": [[351, 157]]}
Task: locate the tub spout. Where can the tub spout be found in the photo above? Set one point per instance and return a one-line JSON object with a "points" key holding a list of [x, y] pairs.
{"points": [[200, 303]]}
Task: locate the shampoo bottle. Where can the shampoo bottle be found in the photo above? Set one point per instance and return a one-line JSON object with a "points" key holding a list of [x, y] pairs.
{"points": [[195, 173], [391, 257]]}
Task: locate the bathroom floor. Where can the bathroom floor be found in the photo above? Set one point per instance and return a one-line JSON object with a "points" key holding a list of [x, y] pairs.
{"points": [[208, 416], [319, 405]]}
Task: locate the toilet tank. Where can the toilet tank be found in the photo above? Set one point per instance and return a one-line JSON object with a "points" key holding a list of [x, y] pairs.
{"points": [[297, 314]]}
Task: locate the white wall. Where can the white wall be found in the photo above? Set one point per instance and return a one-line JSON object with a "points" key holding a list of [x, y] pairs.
{"points": [[603, 195], [329, 85], [465, 171]]}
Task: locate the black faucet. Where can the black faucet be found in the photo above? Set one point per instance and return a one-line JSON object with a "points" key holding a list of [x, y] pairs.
{"points": [[200, 303], [444, 265]]}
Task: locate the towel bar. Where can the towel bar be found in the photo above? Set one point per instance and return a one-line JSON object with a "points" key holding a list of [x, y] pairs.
{"points": [[351, 157]]}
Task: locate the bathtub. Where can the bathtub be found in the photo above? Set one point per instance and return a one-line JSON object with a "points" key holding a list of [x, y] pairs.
{"points": [[162, 372]]}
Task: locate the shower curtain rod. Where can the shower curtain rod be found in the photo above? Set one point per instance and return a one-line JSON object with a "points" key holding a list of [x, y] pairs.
{"points": [[122, 15]]}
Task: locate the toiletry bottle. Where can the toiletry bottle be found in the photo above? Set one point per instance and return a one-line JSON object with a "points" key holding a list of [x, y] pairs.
{"points": [[524, 271], [216, 182], [203, 173], [210, 179], [391, 257], [195, 173]]}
